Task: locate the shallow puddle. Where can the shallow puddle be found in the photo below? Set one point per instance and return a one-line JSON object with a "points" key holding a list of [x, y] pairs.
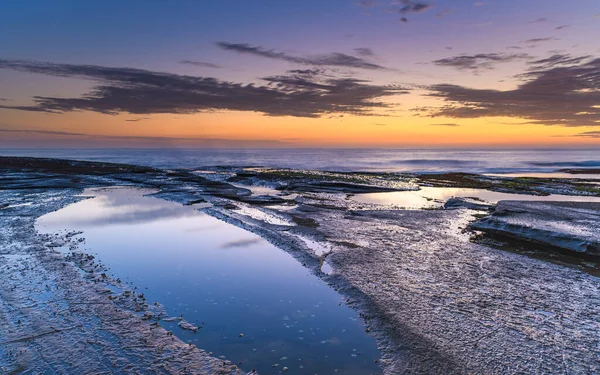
{"points": [[256, 304], [432, 197]]}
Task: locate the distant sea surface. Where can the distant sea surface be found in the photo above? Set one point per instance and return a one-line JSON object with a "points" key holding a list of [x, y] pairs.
{"points": [[492, 161]]}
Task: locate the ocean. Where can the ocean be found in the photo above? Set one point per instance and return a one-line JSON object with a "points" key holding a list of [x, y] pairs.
{"points": [[483, 161]]}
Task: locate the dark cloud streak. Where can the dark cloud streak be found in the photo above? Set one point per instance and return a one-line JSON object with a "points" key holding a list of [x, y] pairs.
{"points": [[558, 60], [364, 52], [480, 61], [538, 40], [447, 125], [560, 90], [201, 64], [332, 59], [35, 131], [592, 134], [409, 6], [143, 92], [140, 138]]}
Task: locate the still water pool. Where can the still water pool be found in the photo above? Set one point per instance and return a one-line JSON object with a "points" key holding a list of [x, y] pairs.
{"points": [[257, 305]]}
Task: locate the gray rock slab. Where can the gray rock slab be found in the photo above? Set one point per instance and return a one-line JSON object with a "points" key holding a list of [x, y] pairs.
{"points": [[572, 226]]}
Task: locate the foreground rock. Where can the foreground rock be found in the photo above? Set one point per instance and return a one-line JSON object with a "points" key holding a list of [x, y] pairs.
{"points": [[56, 314], [437, 303], [455, 203], [569, 226]]}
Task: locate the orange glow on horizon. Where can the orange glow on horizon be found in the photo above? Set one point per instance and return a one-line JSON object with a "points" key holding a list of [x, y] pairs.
{"points": [[338, 131]]}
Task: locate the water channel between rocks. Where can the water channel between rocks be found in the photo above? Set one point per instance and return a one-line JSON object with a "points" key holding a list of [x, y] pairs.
{"points": [[255, 303]]}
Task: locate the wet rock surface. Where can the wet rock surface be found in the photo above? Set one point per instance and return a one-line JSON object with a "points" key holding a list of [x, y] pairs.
{"points": [[441, 304], [56, 313], [455, 203], [570, 226], [519, 185], [322, 181], [437, 302]]}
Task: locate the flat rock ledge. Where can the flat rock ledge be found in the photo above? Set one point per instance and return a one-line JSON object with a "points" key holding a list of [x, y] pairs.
{"points": [[569, 226]]}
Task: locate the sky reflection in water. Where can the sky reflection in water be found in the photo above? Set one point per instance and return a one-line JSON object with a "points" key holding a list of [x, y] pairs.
{"points": [[429, 197], [231, 279]]}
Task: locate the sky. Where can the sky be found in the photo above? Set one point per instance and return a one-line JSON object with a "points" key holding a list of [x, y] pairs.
{"points": [[310, 73]]}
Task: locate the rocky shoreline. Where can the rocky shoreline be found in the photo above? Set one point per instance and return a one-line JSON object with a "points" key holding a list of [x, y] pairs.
{"points": [[569, 226], [436, 301]]}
